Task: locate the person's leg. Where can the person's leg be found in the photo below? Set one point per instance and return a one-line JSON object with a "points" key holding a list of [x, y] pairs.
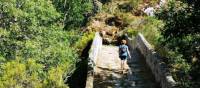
{"points": [[121, 57], [125, 62], [122, 64], [126, 67]]}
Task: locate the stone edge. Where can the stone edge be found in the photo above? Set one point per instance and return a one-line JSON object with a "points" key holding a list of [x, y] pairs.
{"points": [[93, 54]]}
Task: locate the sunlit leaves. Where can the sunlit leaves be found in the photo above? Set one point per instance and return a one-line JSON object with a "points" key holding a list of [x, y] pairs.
{"points": [[73, 11], [181, 36], [34, 50]]}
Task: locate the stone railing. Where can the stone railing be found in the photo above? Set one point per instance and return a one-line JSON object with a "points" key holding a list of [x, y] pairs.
{"points": [[154, 61], [93, 55]]}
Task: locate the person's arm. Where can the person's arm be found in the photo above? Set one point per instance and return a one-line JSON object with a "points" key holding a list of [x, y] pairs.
{"points": [[128, 53]]}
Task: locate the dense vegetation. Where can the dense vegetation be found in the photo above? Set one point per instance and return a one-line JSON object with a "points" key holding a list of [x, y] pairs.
{"points": [[41, 39], [181, 36], [75, 12], [36, 45]]}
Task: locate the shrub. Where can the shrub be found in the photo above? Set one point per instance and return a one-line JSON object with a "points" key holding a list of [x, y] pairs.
{"points": [[75, 12], [35, 51], [181, 34], [84, 40], [148, 26]]}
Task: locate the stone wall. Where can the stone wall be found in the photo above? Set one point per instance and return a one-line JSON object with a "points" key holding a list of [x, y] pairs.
{"points": [[93, 54], [154, 61]]}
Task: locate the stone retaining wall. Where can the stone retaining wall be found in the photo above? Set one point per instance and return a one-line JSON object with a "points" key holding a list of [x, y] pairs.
{"points": [[93, 54], [154, 61]]}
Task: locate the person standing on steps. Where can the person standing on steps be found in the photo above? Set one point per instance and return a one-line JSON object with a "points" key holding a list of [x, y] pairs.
{"points": [[123, 54]]}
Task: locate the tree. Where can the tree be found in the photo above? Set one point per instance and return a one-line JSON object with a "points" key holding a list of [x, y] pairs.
{"points": [[181, 33], [35, 51], [74, 11]]}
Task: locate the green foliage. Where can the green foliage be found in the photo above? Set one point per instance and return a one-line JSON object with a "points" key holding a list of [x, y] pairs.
{"points": [[84, 40], [132, 32], [135, 3], [35, 51], [15, 74], [181, 34], [151, 29], [75, 12], [109, 7], [148, 26]]}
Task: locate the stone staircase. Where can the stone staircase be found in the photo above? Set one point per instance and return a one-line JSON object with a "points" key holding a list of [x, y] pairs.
{"points": [[145, 68], [108, 73]]}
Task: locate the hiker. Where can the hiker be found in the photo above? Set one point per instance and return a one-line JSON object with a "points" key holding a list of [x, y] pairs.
{"points": [[123, 53]]}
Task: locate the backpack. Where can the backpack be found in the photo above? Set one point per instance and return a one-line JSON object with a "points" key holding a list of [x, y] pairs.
{"points": [[122, 49]]}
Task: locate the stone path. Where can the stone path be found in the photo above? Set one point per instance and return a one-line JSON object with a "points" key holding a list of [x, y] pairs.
{"points": [[109, 75]]}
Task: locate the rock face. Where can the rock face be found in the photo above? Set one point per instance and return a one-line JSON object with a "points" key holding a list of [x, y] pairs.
{"points": [[107, 27], [149, 11], [115, 21], [97, 6], [109, 35], [162, 2], [110, 31]]}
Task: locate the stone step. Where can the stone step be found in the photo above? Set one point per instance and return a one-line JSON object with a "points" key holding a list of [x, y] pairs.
{"points": [[138, 75]]}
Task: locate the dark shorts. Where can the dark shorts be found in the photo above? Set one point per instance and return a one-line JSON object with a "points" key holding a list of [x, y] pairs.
{"points": [[123, 57]]}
